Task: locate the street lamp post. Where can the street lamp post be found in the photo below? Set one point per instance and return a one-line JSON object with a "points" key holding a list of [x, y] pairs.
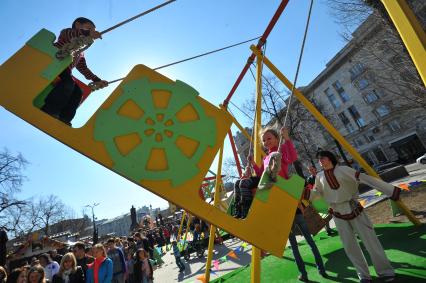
{"points": [[95, 233]]}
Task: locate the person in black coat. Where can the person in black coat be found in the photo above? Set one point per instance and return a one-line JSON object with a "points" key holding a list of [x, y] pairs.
{"points": [[69, 272]]}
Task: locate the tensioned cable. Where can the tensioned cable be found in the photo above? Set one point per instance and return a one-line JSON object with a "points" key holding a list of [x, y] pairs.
{"points": [[194, 57], [263, 96], [299, 62], [137, 16], [269, 83], [247, 115]]}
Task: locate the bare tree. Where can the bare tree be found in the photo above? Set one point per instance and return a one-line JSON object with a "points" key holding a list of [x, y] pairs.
{"points": [[51, 211], [389, 65], [25, 219], [230, 170], [11, 179]]}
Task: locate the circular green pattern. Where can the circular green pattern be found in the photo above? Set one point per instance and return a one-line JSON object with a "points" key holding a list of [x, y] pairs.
{"points": [[157, 128]]}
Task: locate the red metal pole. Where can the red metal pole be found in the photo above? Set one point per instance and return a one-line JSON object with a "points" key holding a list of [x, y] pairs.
{"points": [[234, 150], [262, 41]]}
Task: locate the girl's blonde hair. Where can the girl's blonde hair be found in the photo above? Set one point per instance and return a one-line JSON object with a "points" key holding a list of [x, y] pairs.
{"points": [[66, 257], [269, 129], [100, 247]]}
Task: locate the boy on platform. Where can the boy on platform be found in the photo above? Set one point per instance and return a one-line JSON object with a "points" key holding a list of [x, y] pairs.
{"points": [[62, 102]]}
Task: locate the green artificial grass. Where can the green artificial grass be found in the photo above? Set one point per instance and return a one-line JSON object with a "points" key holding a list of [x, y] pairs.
{"points": [[405, 246]]}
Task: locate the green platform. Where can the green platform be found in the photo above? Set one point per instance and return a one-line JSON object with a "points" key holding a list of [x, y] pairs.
{"points": [[405, 246]]}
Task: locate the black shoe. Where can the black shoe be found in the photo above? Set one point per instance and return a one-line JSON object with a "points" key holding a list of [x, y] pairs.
{"points": [[65, 122], [324, 274], [56, 116], [303, 278], [364, 280]]}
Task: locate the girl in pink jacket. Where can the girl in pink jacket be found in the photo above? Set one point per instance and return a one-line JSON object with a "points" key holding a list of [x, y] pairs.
{"points": [[245, 188]]}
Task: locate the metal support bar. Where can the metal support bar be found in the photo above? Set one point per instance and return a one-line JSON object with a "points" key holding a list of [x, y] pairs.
{"points": [[181, 225], [255, 256], [234, 151], [411, 32], [262, 41], [215, 203], [188, 222]]}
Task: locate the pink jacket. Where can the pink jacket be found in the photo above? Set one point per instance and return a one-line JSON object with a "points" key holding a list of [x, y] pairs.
{"points": [[289, 155]]}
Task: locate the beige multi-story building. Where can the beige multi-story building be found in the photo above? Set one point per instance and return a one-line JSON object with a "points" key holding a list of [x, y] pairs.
{"points": [[372, 95]]}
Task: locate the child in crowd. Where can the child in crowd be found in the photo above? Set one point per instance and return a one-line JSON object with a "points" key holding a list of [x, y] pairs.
{"points": [[142, 270], [62, 102], [36, 275], [176, 253], [245, 188]]}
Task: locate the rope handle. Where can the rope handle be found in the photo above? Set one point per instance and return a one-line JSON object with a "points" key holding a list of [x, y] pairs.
{"points": [[98, 85], [74, 47]]}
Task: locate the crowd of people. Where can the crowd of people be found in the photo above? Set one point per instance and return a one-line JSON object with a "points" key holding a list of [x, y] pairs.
{"points": [[117, 260]]}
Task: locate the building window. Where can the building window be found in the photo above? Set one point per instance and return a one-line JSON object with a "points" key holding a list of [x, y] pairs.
{"points": [[380, 155], [332, 98], [358, 142], [356, 70], [348, 125], [362, 83], [371, 96], [382, 111], [341, 91], [394, 126], [356, 116], [369, 138]]}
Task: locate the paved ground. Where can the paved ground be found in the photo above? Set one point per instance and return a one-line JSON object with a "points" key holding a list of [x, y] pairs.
{"points": [[417, 172], [196, 267]]}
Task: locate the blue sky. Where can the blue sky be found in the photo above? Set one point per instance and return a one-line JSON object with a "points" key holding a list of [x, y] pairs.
{"points": [[182, 29]]}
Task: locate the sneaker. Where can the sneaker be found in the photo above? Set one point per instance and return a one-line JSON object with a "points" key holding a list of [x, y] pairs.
{"points": [[303, 278], [324, 274], [365, 280]]}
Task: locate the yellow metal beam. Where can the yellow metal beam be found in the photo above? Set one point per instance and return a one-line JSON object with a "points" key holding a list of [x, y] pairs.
{"points": [[181, 225], [255, 255], [215, 203], [188, 222], [330, 128], [411, 32]]}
